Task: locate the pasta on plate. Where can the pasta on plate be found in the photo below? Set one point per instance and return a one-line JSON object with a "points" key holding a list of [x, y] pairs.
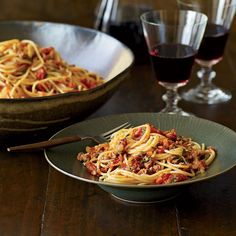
{"points": [[28, 70], [147, 155]]}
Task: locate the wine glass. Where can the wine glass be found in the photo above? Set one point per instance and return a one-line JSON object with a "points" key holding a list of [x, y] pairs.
{"points": [[173, 38], [220, 15]]}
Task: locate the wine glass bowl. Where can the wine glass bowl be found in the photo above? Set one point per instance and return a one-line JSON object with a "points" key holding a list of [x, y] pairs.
{"points": [[220, 15], [173, 39]]}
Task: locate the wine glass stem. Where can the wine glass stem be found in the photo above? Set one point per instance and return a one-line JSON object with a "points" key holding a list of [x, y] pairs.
{"points": [[171, 98], [206, 75]]}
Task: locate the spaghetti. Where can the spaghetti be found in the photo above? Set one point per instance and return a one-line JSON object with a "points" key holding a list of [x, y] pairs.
{"points": [[147, 155], [27, 70]]}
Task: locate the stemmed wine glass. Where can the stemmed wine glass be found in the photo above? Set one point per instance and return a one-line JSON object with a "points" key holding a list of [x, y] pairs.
{"points": [[173, 38], [220, 15]]}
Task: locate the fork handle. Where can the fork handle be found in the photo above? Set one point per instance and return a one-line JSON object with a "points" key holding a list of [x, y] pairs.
{"points": [[45, 144]]}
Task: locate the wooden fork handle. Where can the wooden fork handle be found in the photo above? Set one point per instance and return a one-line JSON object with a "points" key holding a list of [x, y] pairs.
{"points": [[44, 144]]}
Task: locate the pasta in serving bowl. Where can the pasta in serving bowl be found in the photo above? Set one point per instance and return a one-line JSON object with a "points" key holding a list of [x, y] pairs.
{"points": [[52, 75], [28, 70]]}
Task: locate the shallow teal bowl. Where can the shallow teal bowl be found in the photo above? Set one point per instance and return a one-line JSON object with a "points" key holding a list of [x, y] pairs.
{"points": [[64, 159], [84, 47]]}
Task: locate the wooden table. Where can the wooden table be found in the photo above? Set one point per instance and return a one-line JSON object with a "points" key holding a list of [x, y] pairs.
{"points": [[35, 199]]}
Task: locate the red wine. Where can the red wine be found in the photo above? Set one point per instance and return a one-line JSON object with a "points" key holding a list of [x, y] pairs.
{"points": [[172, 63], [213, 43]]}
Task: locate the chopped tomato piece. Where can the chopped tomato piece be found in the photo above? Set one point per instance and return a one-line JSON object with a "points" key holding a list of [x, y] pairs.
{"points": [[91, 168], [41, 73], [164, 179], [40, 88], [171, 134], [46, 51], [138, 133], [89, 83]]}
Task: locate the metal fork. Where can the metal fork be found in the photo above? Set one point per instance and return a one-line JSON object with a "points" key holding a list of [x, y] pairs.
{"points": [[104, 137]]}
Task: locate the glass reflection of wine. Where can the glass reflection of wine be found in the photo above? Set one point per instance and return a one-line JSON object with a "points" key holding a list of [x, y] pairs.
{"points": [[172, 63], [130, 33], [213, 45], [121, 19]]}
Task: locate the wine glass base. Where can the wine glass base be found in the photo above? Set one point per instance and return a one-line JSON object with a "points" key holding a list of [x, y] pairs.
{"points": [[207, 96], [177, 112]]}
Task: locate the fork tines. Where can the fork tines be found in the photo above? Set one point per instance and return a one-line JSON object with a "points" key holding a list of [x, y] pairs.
{"points": [[108, 134]]}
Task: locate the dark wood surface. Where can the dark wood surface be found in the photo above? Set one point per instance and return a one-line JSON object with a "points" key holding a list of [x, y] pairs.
{"points": [[35, 199]]}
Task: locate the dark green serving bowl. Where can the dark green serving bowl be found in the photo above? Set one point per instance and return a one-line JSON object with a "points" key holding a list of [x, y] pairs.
{"points": [[84, 47], [63, 158]]}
